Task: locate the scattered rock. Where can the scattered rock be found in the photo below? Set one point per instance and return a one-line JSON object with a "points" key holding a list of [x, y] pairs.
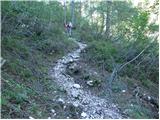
{"points": [[75, 93], [123, 91], [114, 106], [53, 111], [99, 111], [149, 98], [72, 66], [90, 83], [61, 100], [31, 117], [54, 114], [95, 73], [64, 107], [75, 104], [76, 86], [55, 91], [85, 102], [83, 114], [63, 72]]}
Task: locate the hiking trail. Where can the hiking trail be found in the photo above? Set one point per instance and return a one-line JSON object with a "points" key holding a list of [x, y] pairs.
{"points": [[92, 106]]}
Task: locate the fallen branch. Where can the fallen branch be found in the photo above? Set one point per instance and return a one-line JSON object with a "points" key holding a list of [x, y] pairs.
{"points": [[2, 61], [122, 66], [117, 69]]}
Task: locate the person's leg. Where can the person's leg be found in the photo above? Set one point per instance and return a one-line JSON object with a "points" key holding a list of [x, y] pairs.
{"points": [[70, 32]]}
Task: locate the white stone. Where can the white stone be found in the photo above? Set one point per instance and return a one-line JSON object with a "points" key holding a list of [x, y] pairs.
{"points": [[72, 66], [23, 25], [76, 86], [61, 100], [49, 117], [55, 91], [64, 107], [75, 94], [75, 104], [53, 111], [85, 102], [123, 91], [31, 117], [83, 114], [95, 73], [149, 98], [90, 83]]}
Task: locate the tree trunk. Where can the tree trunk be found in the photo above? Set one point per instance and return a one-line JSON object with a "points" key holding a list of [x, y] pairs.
{"points": [[65, 21], [102, 25], [108, 18], [80, 9], [72, 12]]}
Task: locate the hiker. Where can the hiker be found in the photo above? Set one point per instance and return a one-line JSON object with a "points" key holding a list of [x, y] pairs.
{"points": [[69, 27]]}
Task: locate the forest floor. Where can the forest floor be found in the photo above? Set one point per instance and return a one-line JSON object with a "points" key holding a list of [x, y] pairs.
{"points": [[85, 95]]}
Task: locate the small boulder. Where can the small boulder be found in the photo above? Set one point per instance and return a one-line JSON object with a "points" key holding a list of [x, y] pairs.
{"points": [[61, 100], [75, 104], [83, 114], [76, 86], [64, 106], [72, 66], [75, 94], [53, 111], [123, 91], [90, 83], [31, 117], [94, 82], [149, 98]]}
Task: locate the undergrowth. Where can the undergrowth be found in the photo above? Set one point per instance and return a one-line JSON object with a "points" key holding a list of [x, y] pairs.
{"points": [[30, 50]]}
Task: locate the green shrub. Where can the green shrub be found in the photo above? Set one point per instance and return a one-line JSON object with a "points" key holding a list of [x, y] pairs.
{"points": [[102, 49], [101, 52], [15, 45]]}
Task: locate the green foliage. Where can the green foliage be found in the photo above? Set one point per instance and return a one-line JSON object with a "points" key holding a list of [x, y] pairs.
{"points": [[17, 95], [32, 39], [140, 21], [138, 112], [101, 52], [4, 101], [14, 44], [153, 27], [102, 49]]}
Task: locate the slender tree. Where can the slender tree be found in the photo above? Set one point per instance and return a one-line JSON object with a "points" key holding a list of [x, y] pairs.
{"points": [[72, 12], [108, 18]]}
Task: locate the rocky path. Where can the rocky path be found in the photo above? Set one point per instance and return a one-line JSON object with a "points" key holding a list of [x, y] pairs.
{"points": [[92, 106]]}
